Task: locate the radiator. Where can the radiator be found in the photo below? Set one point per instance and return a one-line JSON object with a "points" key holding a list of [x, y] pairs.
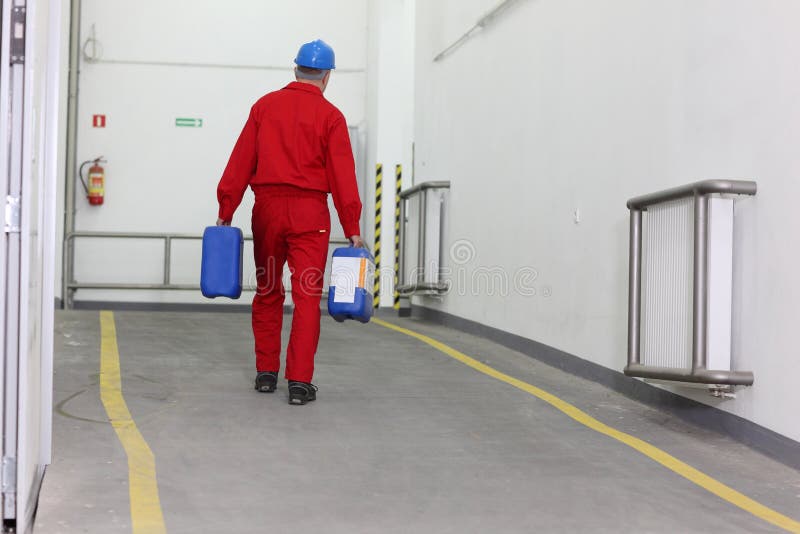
{"points": [[681, 284], [667, 272]]}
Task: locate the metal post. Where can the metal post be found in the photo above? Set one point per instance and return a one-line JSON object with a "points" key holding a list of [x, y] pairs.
{"points": [[699, 296], [634, 287], [68, 249], [440, 252], [423, 213], [404, 309], [67, 278], [167, 258], [401, 278]]}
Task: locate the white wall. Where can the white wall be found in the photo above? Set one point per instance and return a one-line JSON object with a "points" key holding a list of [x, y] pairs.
{"points": [[575, 104], [161, 178]]}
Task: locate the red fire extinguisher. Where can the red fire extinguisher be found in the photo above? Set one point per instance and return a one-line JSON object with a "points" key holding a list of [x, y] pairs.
{"points": [[95, 186]]}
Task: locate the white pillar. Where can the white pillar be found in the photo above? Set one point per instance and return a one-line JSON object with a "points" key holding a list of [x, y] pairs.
{"points": [[390, 110]]}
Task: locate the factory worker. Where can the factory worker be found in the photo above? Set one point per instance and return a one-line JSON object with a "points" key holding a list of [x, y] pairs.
{"points": [[293, 151]]}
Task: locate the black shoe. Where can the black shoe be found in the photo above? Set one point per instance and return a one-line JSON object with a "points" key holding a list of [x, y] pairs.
{"points": [[266, 381], [301, 392]]}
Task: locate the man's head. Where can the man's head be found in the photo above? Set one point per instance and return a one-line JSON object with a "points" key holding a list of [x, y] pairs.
{"points": [[314, 61], [316, 77]]}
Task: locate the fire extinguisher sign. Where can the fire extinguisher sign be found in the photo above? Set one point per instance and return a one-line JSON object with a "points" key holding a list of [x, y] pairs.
{"points": [[98, 121]]}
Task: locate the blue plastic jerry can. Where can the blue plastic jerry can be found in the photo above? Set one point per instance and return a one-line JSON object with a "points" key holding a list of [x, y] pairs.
{"points": [[221, 270], [352, 278]]}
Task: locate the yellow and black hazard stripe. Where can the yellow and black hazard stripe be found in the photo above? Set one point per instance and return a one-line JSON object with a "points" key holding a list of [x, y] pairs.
{"points": [[377, 245], [398, 185]]}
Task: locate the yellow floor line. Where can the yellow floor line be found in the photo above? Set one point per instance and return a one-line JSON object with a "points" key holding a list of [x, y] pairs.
{"points": [[146, 515], [670, 462]]}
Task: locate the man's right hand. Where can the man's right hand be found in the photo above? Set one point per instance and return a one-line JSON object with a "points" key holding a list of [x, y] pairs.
{"points": [[220, 222], [356, 241]]}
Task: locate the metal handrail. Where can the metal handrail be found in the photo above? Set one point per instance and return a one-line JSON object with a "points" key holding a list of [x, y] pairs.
{"points": [[706, 187], [403, 288], [698, 373], [168, 238], [411, 191], [421, 287]]}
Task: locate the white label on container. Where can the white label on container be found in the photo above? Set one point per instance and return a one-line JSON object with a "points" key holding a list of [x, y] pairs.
{"points": [[344, 278]]}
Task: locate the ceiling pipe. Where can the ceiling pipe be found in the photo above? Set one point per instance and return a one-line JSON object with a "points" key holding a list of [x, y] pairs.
{"points": [[482, 23]]}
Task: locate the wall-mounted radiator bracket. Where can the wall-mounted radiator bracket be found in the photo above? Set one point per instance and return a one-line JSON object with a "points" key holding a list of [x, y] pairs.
{"points": [[701, 250], [421, 237]]}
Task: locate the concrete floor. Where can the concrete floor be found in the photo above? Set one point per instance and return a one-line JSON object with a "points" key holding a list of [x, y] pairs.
{"points": [[401, 439]]}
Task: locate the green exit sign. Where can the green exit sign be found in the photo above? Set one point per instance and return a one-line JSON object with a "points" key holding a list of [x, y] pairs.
{"points": [[183, 122]]}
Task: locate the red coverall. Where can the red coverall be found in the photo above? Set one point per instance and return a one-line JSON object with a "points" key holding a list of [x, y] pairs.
{"points": [[293, 150]]}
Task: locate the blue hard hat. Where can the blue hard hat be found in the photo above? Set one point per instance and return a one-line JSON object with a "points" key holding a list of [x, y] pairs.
{"points": [[316, 55]]}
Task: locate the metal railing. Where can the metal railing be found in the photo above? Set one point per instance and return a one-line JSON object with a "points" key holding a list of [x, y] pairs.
{"points": [[698, 373], [417, 284], [73, 285]]}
